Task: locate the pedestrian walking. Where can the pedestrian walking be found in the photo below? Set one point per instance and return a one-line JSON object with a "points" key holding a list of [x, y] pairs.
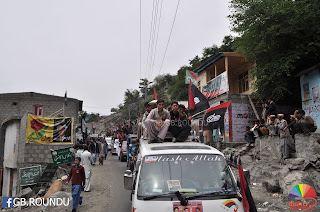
{"points": [[86, 161], [77, 174], [106, 152], [95, 150], [102, 152]]}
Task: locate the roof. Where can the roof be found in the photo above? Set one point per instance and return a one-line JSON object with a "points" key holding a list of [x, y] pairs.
{"points": [[176, 148], [311, 69], [213, 59], [22, 95], [35, 93]]}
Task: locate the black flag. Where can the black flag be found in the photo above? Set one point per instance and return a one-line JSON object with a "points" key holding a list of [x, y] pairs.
{"points": [[200, 101], [214, 116]]}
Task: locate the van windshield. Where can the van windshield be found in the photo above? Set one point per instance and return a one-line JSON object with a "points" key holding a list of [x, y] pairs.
{"points": [[164, 174]]}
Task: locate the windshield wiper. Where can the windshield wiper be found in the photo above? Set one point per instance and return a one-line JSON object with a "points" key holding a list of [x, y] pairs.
{"points": [[224, 194], [169, 194]]}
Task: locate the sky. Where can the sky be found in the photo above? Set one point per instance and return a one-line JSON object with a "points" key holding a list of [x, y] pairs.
{"points": [[91, 49]]}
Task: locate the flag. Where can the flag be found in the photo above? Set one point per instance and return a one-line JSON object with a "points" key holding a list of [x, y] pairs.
{"points": [[243, 186], [120, 136], [191, 76], [121, 126], [214, 116], [248, 202], [197, 101], [65, 98], [155, 94]]}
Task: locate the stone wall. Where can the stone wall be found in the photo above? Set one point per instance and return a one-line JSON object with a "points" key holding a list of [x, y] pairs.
{"points": [[307, 145]]}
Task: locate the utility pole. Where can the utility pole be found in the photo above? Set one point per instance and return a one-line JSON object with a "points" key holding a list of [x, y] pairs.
{"points": [[144, 85]]}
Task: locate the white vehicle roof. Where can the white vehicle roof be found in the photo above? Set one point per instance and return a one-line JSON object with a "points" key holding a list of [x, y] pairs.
{"points": [[176, 148]]}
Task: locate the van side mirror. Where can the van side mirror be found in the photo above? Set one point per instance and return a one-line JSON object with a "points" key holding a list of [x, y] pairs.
{"points": [[128, 180]]}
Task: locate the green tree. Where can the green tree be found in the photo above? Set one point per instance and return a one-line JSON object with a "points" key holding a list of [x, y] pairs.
{"points": [[282, 37], [131, 96]]}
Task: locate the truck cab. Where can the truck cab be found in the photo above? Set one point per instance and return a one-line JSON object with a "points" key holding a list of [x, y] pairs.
{"points": [[187, 176]]}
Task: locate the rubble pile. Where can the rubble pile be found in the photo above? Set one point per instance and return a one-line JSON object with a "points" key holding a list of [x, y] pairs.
{"points": [[271, 178]]}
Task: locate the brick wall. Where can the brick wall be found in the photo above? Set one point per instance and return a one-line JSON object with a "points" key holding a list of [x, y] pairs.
{"points": [[20, 104]]}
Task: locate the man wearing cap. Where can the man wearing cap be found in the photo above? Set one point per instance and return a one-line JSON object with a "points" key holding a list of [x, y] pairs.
{"points": [[272, 126], [157, 123]]}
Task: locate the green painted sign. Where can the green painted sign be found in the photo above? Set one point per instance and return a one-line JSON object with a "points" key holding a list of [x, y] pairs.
{"points": [[62, 156], [30, 175]]}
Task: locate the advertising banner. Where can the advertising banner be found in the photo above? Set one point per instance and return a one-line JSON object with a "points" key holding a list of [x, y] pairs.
{"points": [[49, 130], [216, 86]]}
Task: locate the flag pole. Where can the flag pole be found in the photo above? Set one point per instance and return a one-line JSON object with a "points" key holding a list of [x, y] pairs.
{"points": [[198, 113]]}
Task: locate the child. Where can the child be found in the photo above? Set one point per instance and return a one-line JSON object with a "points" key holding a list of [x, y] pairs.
{"points": [[78, 182]]}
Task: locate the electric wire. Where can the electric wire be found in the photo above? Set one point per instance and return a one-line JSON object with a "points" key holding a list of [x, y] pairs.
{"points": [[153, 7], [155, 51], [165, 52], [140, 40], [153, 38]]}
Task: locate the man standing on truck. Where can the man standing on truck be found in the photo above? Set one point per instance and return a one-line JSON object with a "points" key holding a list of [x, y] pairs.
{"points": [[157, 123]]}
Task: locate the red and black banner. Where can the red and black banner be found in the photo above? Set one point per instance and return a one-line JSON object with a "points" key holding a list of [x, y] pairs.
{"points": [[197, 101], [214, 117]]}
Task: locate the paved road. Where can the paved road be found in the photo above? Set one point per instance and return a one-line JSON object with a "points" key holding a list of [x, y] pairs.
{"points": [[119, 197], [107, 192]]}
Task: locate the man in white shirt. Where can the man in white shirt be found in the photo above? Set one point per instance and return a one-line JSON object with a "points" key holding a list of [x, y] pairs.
{"points": [[86, 162], [158, 122]]}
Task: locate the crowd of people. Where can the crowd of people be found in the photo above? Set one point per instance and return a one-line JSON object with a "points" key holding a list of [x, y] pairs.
{"points": [[157, 121], [274, 124], [85, 156], [160, 119]]}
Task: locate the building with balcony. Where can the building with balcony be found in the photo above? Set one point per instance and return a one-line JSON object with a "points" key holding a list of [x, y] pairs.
{"points": [[226, 77]]}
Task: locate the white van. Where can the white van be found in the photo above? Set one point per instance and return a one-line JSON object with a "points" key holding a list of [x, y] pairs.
{"points": [[182, 177]]}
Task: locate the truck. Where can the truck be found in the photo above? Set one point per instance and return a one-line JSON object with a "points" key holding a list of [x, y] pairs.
{"points": [[187, 176]]}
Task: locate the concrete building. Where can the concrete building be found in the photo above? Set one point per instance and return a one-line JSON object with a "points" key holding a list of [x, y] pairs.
{"points": [[225, 77], [310, 95], [15, 153]]}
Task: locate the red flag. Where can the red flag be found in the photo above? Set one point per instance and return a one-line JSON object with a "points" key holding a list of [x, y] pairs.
{"points": [[121, 126], [243, 186], [191, 103], [120, 135], [155, 94]]}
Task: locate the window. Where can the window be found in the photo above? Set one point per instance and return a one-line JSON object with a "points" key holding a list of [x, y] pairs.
{"points": [[243, 82], [38, 110], [164, 174]]}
